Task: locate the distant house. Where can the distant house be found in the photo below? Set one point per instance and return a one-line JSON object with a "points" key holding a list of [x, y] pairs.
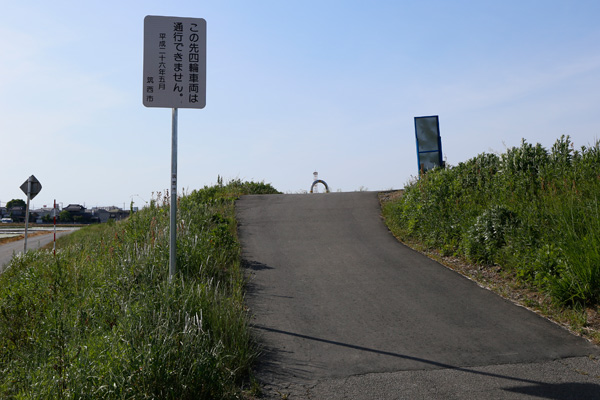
{"points": [[17, 213], [40, 213], [104, 214], [101, 214], [3, 212], [119, 215], [79, 214], [75, 209]]}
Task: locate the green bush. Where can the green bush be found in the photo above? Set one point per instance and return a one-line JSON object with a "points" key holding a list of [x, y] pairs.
{"points": [[531, 210], [488, 235]]}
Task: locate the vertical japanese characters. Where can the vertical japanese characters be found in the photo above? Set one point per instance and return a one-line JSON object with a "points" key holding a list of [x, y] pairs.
{"points": [[162, 69], [193, 59]]}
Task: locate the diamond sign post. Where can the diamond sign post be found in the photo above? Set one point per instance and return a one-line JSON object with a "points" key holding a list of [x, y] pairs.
{"points": [[174, 77], [31, 187]]}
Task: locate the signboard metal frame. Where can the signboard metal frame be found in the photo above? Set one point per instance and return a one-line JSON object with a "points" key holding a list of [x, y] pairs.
{"points": [[429, 143]]}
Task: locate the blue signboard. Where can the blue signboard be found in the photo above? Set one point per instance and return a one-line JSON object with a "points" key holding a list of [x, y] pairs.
{"points": [[429, 143]]}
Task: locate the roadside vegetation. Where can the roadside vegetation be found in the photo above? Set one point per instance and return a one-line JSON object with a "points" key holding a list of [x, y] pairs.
{"points": [[101, 319], [529, 217]]}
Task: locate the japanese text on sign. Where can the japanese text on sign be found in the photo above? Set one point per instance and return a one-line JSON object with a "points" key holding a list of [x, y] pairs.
{"points": [[174, 62]]}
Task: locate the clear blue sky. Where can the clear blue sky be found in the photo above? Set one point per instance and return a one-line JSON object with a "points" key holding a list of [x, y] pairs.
{"points": [[292, 87]]}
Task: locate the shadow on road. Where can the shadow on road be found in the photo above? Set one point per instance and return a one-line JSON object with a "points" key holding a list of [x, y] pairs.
{"points": [[552, 391], [560, 391], [255, 265]]}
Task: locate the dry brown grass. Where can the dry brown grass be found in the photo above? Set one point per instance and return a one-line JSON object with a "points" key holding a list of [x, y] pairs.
{"points": [[21, 237]]}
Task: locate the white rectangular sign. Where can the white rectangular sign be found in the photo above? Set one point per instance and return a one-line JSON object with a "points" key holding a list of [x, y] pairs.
{"points": [[174, 62]]}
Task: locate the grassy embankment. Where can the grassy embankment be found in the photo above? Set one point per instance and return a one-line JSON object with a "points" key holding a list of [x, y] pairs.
{"points": [[101, 320], [528, 221]]}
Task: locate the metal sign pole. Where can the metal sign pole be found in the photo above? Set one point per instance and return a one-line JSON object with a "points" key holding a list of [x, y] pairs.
{"points": [[174, 77], [54, 212], [173, 227], [27, 213]]}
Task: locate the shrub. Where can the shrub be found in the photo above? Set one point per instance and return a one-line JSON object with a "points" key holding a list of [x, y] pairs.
{"points": [[531, 210], [488, 234]]}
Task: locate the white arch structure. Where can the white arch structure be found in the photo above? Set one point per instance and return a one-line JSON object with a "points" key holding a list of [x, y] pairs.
{"points": [[319, 181]]}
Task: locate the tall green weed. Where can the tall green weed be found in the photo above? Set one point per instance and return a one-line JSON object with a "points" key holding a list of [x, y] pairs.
{"points": [[101, 320]]}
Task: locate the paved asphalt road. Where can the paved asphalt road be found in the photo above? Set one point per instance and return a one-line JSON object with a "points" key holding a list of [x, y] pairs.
{"points": [[345, 311], [9, 249]]}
